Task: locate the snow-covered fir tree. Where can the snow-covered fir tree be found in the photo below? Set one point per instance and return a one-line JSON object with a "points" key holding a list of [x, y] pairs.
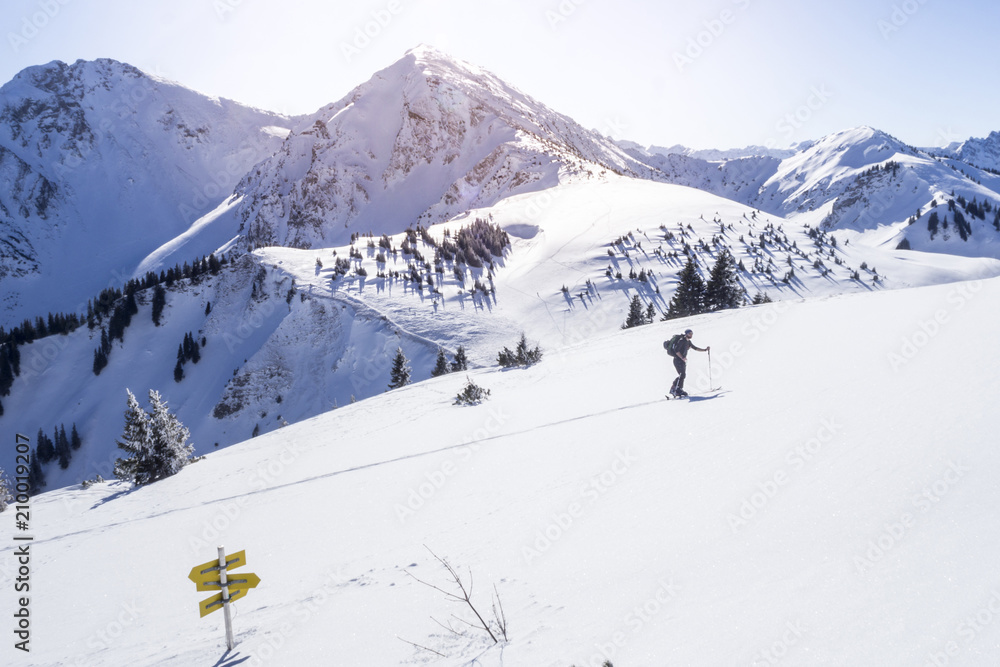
{"points": [[5, 488], [156, 442], [136, 441], [170, 437]]}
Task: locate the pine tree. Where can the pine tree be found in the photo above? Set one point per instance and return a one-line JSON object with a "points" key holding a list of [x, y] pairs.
{"points": [[44, 448], [440, 364], [155, 441], [131, 306], [159, 301], [5, 495], [100, 361], [136, 441], [471, 394], [170, 438], [74, 439], [399, 376], [36, 477], [179, 371], [63, 452], [526, 356], [522, 356], [6, 372], [636, 315], [689, 297], [723, 290], [461, 362], [932, 224]]}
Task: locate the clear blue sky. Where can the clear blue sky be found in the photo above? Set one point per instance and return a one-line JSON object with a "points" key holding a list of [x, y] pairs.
{"points": [[713, 74]]}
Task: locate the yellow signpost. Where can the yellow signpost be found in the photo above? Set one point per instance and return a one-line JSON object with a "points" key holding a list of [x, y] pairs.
{"points": [[215, 576]]}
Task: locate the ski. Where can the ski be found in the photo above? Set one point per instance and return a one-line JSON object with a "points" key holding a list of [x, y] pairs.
{"points": [[713, 390]]}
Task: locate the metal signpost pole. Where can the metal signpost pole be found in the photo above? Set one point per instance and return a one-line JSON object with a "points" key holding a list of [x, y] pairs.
{"points": [[225, 598]]}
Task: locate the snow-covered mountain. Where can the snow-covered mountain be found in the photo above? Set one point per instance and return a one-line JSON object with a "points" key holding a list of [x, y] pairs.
{"points": [[980, 152], [863, 180], [100, 165], [436, 207], [338, 225], [424, 140], [715, 154]]}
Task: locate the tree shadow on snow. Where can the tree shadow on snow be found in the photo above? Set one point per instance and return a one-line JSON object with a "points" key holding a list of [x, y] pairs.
{"points": [[125, 490]]}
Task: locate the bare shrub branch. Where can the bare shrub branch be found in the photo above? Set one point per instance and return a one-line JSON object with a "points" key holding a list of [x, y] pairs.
{"points": [[464, 596]]}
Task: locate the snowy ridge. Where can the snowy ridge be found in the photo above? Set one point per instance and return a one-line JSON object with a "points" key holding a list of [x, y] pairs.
{"points": [[101, 160], [979, 152], [716, 155], [831, 183]]}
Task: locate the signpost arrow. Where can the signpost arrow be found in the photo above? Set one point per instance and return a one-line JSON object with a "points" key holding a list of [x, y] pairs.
{"points": [[243, 580], [214, 575], [206, 575], [215, 603]]}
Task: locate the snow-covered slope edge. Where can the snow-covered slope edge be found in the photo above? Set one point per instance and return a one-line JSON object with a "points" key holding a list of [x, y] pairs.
{"points": [[824, 506]]}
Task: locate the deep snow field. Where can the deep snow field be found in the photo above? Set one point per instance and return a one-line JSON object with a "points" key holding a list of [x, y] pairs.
{"points": [[831, 503]]}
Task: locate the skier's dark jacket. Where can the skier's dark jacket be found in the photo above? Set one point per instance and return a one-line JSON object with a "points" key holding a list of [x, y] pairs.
{"points": [[682, 347]]}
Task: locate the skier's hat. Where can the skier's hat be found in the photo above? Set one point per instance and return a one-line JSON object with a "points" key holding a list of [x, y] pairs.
{"points": [[688, 332]]}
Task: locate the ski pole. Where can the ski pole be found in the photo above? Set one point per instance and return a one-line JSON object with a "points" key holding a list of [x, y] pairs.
{"points": [[711, 385]]}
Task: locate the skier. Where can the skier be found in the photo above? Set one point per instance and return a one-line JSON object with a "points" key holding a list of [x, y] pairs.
{"points": [[680, 362]]}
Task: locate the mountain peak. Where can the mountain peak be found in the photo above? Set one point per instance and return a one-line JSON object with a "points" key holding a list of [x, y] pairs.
{"points": [[427, 52]]}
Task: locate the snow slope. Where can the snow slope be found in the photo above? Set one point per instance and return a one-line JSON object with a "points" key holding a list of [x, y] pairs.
{"points": [[831, 504], [283, 342]]}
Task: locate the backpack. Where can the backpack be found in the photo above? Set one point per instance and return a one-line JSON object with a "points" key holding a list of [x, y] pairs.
{"points": [[671, 345]]}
